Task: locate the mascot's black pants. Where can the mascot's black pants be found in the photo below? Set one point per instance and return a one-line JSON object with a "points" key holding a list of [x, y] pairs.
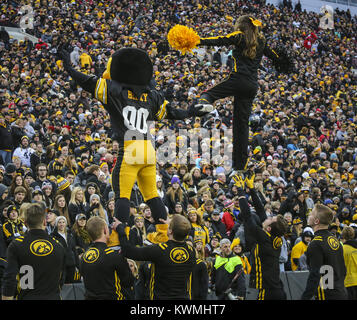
{"points": [[244, 92]]}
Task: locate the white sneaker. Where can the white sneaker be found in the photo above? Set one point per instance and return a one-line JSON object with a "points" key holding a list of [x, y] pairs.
{"points": [[206, 108]]}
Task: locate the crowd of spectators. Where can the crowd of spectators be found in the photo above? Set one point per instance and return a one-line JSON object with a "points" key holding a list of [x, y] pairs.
{"points": [[56, 145]]}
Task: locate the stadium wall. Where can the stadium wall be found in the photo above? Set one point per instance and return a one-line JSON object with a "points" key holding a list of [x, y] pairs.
{"points": [[294, 285]]}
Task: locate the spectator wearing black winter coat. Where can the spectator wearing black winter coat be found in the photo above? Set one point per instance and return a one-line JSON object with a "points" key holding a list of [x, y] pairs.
{"points": [[174, 195], [300, 209], [9, 135], [137, 234], [66, 239], [200, 277], [41, 178], [142, 286], [287, 204], [93, 177], [77, 204], [81, 236], [10, 173], [148, 220], [217, 225], [4, 37], [4, 193], [346, 203]]}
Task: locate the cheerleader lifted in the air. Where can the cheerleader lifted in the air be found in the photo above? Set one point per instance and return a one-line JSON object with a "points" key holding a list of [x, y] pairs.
{"points": [[250, 46]]}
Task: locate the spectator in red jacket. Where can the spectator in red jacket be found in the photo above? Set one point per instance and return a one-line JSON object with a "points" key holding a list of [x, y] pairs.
{"points": [[41, 45], [228, 217]]}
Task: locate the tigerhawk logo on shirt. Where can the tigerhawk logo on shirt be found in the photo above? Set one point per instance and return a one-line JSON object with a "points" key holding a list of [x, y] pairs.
{"points": [[41, 247], [277, 242], [179, 255], [91, 255], [333, 243]]}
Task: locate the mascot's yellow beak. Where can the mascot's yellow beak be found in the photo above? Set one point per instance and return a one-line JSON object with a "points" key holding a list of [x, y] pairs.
{"points": [[106, 74], [255, 22]]}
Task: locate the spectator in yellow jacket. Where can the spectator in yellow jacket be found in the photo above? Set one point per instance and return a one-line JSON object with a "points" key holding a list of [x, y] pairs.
{"points": [[299, 249], [350, 256], [237, 250], [86, 60]]}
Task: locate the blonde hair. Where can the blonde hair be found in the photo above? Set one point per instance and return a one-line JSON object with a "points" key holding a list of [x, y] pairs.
{"points": [[95, 226], [143, 229], [74, 194], [348, 233], [101, 211], [23, 210], [324, 214], [136, 271]]}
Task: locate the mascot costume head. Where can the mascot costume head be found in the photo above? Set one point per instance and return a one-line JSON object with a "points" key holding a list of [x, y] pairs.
{"points": [[129, 66]]}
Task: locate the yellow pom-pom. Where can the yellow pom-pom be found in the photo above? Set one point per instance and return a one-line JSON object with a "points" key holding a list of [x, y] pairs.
{"points": [[183, 39]]}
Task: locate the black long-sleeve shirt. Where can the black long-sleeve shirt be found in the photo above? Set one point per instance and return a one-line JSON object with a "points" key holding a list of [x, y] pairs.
{"points": [[106, 273], [258, 217], [325, 250], [200, 280], [171, 270], [266, 252], [45, 255], [242, 64]]}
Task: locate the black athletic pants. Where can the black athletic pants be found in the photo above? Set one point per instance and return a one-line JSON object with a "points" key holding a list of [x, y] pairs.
{"points": [[271, 294], [244, 91]]}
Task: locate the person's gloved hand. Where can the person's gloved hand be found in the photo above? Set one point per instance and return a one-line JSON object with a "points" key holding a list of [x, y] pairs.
{"points": [[94, 206], [285, 63], [199, 110], [64, 55], [238, 181], [249, 181]]}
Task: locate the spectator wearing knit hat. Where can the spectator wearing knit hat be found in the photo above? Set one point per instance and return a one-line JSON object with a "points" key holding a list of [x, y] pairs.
{"points": [[10, 172], [237, 249], [64, 235], [228, 217], [14, 227], [48, 195], [175, 194], [96, 208], [63, 188]]}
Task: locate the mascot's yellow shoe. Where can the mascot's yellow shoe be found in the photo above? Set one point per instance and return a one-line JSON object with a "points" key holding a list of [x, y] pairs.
{"points": [[114, 239], [160, 235]]}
